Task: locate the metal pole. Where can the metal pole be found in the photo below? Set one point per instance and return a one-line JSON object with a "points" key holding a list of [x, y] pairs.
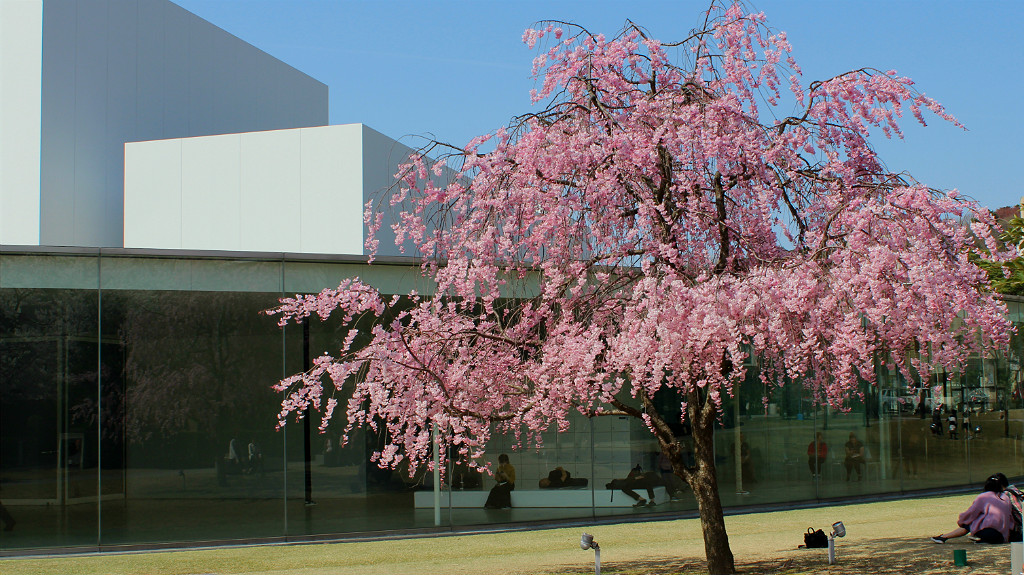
{"points": [[831, 550], [306, 429], [437, 477], [738, 442], [597, 560], [99, 402]]}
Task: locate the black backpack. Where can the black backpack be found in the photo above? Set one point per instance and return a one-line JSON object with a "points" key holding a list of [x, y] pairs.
{"points": [[815, 539], [1016, 507]]}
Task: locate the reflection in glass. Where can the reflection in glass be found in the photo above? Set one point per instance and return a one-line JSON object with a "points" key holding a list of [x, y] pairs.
{"points": [[49, 450], [143, 413], [202, 459]]}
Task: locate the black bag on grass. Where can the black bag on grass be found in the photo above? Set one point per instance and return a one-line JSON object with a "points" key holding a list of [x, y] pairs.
{"points": [[815, 539]]}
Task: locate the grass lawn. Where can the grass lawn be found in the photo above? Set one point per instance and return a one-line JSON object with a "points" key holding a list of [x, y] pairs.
{"points": [[886, 537]]}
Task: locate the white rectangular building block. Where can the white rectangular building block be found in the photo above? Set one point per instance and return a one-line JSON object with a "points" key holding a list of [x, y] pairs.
{"points": [[295, 191]]}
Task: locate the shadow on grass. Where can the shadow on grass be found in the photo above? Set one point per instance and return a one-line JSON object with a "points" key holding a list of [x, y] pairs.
{"points": [[894, 555]]}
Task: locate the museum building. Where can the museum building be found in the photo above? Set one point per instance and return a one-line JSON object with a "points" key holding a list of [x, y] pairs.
{"points": [[163, 182]]}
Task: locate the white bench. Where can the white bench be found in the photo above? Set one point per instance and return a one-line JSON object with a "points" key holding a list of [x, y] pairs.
{"points": [[540, 498]]}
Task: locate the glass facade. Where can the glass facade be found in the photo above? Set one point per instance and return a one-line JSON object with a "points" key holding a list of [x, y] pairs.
{"points": [[136, 409]]}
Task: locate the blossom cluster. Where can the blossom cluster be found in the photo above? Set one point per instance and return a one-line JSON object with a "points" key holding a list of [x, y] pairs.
{"points": [[648, 229]]}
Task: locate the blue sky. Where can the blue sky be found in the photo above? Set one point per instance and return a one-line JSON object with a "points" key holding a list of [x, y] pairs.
{"points": [[457, 69]]}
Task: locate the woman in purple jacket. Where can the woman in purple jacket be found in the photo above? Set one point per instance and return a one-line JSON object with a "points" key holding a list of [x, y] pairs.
{"points": [[988, 519]]}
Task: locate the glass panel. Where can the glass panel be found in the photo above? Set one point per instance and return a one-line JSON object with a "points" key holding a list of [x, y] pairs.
{"points": [[1011, 404], [852, 435], [201, 459], [153, 421], [49, 442], [348, 492], [564, 462], [939, 439], [680, 498], [737, 455], [993, 446], [883, 463], [472, 497], [915, 432], [779, 424]]}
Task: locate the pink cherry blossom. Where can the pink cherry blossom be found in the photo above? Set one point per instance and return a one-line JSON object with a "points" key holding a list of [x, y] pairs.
{"points": [[649, 226]]}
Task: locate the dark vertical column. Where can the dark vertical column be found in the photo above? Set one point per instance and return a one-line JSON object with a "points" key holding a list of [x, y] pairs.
{"points": [[306, 430], [593, 484], [99, 400]]}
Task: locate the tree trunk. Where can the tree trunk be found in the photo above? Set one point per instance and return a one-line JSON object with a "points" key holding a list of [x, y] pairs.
{"points": [[702, 477], [703, 480]]}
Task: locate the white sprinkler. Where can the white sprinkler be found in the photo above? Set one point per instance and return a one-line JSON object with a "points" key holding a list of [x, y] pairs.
{"points": [[838, 530], [587, 542]]}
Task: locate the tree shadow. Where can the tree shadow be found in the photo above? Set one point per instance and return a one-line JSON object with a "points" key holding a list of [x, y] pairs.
{"points": [[891, 555], [888, 555]]}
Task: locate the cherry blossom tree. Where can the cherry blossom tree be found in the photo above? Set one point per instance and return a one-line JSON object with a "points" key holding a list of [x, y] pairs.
{"points": [[1007, 276], [654, 223]]}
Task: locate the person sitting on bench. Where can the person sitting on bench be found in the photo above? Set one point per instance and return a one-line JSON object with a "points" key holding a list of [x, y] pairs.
{"points": [[500, 496]]}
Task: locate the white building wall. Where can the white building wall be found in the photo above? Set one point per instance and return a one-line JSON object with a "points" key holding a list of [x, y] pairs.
{"points": [[269, 164], [297, 191], [21, 25], [209, 193], [330, 208], [115, 71], [155, 168]]}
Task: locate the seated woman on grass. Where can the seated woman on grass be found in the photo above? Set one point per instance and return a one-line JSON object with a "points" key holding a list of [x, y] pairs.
{"points": [[988, 519]]}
